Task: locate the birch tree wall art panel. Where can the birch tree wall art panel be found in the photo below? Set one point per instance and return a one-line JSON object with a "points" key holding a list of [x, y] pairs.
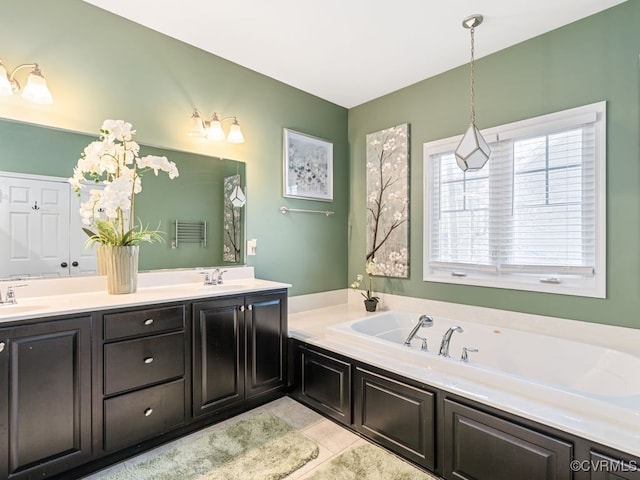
{"points": [[234, 200], [308, 167], [388, 201]]}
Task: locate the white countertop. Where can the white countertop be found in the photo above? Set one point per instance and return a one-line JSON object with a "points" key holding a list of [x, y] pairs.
{"points": [[47, 298]]}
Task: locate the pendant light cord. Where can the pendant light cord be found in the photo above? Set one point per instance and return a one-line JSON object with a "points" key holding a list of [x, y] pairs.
{"points": [[473, 77]]}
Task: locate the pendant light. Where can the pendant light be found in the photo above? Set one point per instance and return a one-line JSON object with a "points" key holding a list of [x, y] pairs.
{"points": [[473, 151]]}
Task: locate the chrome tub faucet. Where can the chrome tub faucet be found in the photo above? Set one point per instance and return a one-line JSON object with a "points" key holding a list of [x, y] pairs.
{"points": [[423, 321], [446, 339]]}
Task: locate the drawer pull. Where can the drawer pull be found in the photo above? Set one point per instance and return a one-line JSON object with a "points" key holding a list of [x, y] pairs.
{"points": [[148, 321], [148, 412], [148, 360]]}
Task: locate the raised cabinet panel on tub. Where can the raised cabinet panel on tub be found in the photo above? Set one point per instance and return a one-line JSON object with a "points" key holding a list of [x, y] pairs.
{"points": [[479, 446], [397, 415], [604, 467], [323, 381], [45, 399]]}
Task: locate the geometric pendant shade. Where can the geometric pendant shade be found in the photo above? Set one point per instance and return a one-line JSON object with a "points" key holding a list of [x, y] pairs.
{"points": [[472, 152]]}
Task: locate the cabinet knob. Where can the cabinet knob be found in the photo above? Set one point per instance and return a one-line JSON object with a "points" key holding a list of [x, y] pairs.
{"points": [[74, 264], [64, 265], [250, 307], [2, 344], [148, 412], [242, 308], [148, 321], [148, 360]]}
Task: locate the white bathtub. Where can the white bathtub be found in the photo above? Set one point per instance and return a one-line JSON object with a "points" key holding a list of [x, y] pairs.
{"points": [[588, 390]]}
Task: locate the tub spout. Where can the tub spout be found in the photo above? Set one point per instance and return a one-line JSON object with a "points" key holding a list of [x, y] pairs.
{"points": [[424, 321], [446, 339]]}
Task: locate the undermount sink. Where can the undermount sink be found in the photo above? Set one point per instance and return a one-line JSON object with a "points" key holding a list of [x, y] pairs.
{"points": [[222, 288], [17, 308]]}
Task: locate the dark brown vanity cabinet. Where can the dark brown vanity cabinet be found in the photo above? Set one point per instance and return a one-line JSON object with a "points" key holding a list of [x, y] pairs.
{"points": [[397, 415], [239, 350], [479, 445], [143, 374], [45, 397]]}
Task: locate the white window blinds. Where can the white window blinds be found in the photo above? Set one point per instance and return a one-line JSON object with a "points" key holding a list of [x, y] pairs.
{"points": [[532, 218]]}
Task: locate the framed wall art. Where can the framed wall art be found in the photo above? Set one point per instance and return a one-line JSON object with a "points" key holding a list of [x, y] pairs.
{"points": [[387, 239], [308, 167]]}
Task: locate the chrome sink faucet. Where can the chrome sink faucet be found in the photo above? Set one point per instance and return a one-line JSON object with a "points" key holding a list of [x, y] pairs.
{"points": [[423, 321], [446, 339], [10, 297], [213, 277]]}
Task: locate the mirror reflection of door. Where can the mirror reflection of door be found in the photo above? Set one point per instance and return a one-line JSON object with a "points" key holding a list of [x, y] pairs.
{"points": [[40, 232]]}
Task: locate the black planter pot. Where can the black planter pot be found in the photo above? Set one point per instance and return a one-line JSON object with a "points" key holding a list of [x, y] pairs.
{"points": [[371, 305]]}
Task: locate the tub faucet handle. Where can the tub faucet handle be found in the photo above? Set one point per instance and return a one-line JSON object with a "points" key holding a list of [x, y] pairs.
{"points": [[465, 354]]}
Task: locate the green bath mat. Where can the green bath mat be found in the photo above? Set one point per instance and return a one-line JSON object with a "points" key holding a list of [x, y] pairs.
{"points": [[368, 462], [262, 447]]}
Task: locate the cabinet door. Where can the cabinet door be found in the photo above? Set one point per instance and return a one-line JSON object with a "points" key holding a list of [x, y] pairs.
{"points": [[45, 416], [218, 355], [324, 383], [604, 467], [396, 415], [266, 334], [480, 446]]}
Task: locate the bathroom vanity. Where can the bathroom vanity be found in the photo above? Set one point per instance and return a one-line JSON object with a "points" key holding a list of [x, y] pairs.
{"points": [[88, 386]]}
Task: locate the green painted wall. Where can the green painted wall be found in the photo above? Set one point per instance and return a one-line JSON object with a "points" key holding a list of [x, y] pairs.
{"points": [[101, 66], [588, 61]]}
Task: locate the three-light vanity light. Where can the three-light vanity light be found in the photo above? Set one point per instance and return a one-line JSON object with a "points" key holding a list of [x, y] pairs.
{"points": [[35, 90], [212, 129]]}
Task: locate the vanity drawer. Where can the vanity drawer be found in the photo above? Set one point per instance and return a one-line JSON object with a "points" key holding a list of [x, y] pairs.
{"points": [[136, 416], [143, 322], [143, 361]]}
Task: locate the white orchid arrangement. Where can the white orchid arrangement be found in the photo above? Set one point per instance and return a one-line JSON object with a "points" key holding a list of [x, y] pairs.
{"points": [[114, 161], [370, 269]]}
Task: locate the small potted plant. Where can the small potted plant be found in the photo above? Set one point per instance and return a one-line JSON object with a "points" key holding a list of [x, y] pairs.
{"points": [[370, 301]]}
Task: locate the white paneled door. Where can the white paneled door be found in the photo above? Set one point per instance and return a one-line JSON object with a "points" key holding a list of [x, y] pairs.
{"points": [[39, 229]]}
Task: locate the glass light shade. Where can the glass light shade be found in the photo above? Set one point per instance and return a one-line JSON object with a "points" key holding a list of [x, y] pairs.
{"points": [[5, 85], [215, 131], [473, 151], [196, 128], [36, 89], [237, 197], [235, 133]]}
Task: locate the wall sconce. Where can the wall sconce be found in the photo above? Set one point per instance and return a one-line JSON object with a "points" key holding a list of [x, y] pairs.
{"points": [[35, 90], [473, 151], [212, 129]]}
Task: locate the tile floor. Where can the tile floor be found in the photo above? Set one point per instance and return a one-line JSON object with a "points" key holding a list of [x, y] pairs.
{"points": [[331, 438]]}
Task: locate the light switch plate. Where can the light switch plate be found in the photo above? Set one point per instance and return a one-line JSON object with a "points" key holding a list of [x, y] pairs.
{"points": [[252, 246]]}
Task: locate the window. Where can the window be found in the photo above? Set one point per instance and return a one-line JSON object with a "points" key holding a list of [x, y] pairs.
{"points": [[533, 218]]}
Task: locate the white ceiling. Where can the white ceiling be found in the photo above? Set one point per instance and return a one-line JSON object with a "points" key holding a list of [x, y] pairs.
{"points": [[350, 51]]}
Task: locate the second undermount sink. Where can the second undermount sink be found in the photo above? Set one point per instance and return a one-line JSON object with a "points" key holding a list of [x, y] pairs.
{"points": [[225, 287], [18, 308]]}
